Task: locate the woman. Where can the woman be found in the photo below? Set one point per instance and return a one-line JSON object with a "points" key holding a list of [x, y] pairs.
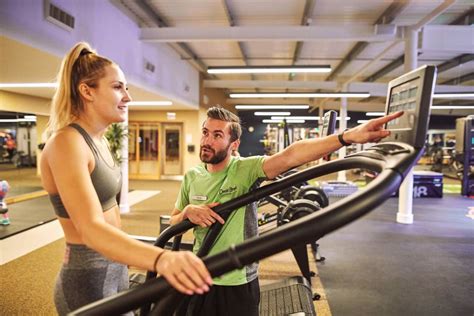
{"points": [[11, 146], [82, 179]]}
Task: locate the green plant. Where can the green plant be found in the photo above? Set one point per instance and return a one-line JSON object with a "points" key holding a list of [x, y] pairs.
{"points": [[115, 135]]}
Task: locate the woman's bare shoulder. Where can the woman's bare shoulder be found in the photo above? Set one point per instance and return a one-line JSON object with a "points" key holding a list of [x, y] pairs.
{"points": [[66, 142]]}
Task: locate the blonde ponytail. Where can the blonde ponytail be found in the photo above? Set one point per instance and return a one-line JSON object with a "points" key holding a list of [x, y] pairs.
{"points": [[80, 65]]}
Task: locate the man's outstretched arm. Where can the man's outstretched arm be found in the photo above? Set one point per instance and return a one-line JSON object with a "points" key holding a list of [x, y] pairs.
{"points": [[308, 150]]}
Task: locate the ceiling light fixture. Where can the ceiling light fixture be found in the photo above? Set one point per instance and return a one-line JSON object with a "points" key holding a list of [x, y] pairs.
{"points": [[269, 69], [302, 95], [272, 107], [307, 118], [271, 113], [453, 95], [452, 107], [29, 85], [281, 120], [362, 121], [17, 120], [149, 103]]}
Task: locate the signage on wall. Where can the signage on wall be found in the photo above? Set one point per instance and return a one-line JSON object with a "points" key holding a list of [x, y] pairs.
{"points": [[171, 115]]}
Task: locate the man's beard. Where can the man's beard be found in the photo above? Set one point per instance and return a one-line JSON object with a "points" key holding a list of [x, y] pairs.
{"points": [[216, 157]]}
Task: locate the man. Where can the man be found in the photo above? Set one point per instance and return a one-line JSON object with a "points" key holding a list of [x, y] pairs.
{"points": [[222, 177]]}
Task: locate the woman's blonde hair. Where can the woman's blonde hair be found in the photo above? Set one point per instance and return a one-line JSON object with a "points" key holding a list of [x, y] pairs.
{"points": [[80, 65]]}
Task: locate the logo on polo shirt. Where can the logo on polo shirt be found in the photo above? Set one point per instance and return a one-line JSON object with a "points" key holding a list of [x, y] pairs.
{"points": [[229, 190]]}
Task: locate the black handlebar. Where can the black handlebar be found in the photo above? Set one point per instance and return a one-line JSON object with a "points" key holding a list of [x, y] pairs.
{"points": [[391, 166]]}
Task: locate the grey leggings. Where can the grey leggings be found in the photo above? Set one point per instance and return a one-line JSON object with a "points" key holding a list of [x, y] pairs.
{"points": [[85, 277]]}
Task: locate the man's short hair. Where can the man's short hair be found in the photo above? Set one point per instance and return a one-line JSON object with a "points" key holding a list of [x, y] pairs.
{"points": [[221, 114]]}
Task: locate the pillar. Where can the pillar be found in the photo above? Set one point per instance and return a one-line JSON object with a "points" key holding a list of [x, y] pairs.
{"points": [[405, 200]]}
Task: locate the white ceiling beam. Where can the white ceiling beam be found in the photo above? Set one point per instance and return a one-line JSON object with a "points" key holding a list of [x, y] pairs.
{"points": [[374, 88], [331, 103], [371, 106], [457, 39], [452, 88], [334, 105], [270, 84], [368, 33], [456, 112], [433, 14]]}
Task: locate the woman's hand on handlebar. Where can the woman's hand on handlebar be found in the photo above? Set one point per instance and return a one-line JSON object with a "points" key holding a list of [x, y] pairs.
{"points": [[184, 271]]}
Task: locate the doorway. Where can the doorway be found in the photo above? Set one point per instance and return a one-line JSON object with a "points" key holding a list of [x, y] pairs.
{"points": [[155, 150], [172, 162], [143, 150]]}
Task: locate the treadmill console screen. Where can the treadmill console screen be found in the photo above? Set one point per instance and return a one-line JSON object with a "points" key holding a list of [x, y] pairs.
{"points": [[411, 93], [329, 127], [329, 123]]}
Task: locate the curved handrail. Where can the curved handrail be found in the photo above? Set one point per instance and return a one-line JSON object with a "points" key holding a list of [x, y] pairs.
{"points": [[276, 186], [392, 171]]}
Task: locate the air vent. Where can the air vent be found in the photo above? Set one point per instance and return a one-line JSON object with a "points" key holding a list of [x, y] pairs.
{"points": [[58, 16], [149, 67]]}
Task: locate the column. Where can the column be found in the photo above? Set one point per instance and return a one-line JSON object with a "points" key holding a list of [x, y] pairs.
{"points": [[320, 125], [405, 200], [124, 206], [320, 114], [341, 175]]}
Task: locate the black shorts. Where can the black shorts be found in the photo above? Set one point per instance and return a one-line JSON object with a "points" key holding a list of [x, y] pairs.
{"points": [[240, 300]]}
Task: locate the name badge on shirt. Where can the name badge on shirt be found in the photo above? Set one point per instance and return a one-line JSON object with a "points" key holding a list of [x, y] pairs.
{"points": [[199, 198]]}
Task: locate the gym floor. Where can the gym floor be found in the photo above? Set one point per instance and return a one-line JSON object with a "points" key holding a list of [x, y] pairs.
{"points": [[373, 266]]}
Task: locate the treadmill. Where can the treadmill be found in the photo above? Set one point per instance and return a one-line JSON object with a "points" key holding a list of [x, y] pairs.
{"points": [[392, 159]]}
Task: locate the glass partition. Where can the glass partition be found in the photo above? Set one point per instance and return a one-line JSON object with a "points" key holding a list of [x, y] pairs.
{"points": [[18, 148]]}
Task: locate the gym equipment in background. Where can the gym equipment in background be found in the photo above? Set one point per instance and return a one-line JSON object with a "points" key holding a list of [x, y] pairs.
{"points": [[301, 190], [298, 201], [392, 159], [465, 153]]}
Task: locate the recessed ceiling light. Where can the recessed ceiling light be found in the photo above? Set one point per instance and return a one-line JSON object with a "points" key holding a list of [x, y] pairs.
{"points": [[18, 120], [302, 95], [271, 113], [269, 69], [453, 95], [307, 118], [281, 120], [272, 107], [29, 85], [149, 103], [452, 107]]}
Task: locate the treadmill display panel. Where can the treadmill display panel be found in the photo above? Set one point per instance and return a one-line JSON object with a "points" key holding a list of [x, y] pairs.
{"points": [[329, 123], [403, 98], [412, 94]]}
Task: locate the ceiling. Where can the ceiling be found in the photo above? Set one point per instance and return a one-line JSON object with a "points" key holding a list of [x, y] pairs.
{"points": [[23, 63], [341, 34], [211, 33]]}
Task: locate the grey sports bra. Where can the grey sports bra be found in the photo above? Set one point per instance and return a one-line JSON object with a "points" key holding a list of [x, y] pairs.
{"points": [[107, 180]]}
